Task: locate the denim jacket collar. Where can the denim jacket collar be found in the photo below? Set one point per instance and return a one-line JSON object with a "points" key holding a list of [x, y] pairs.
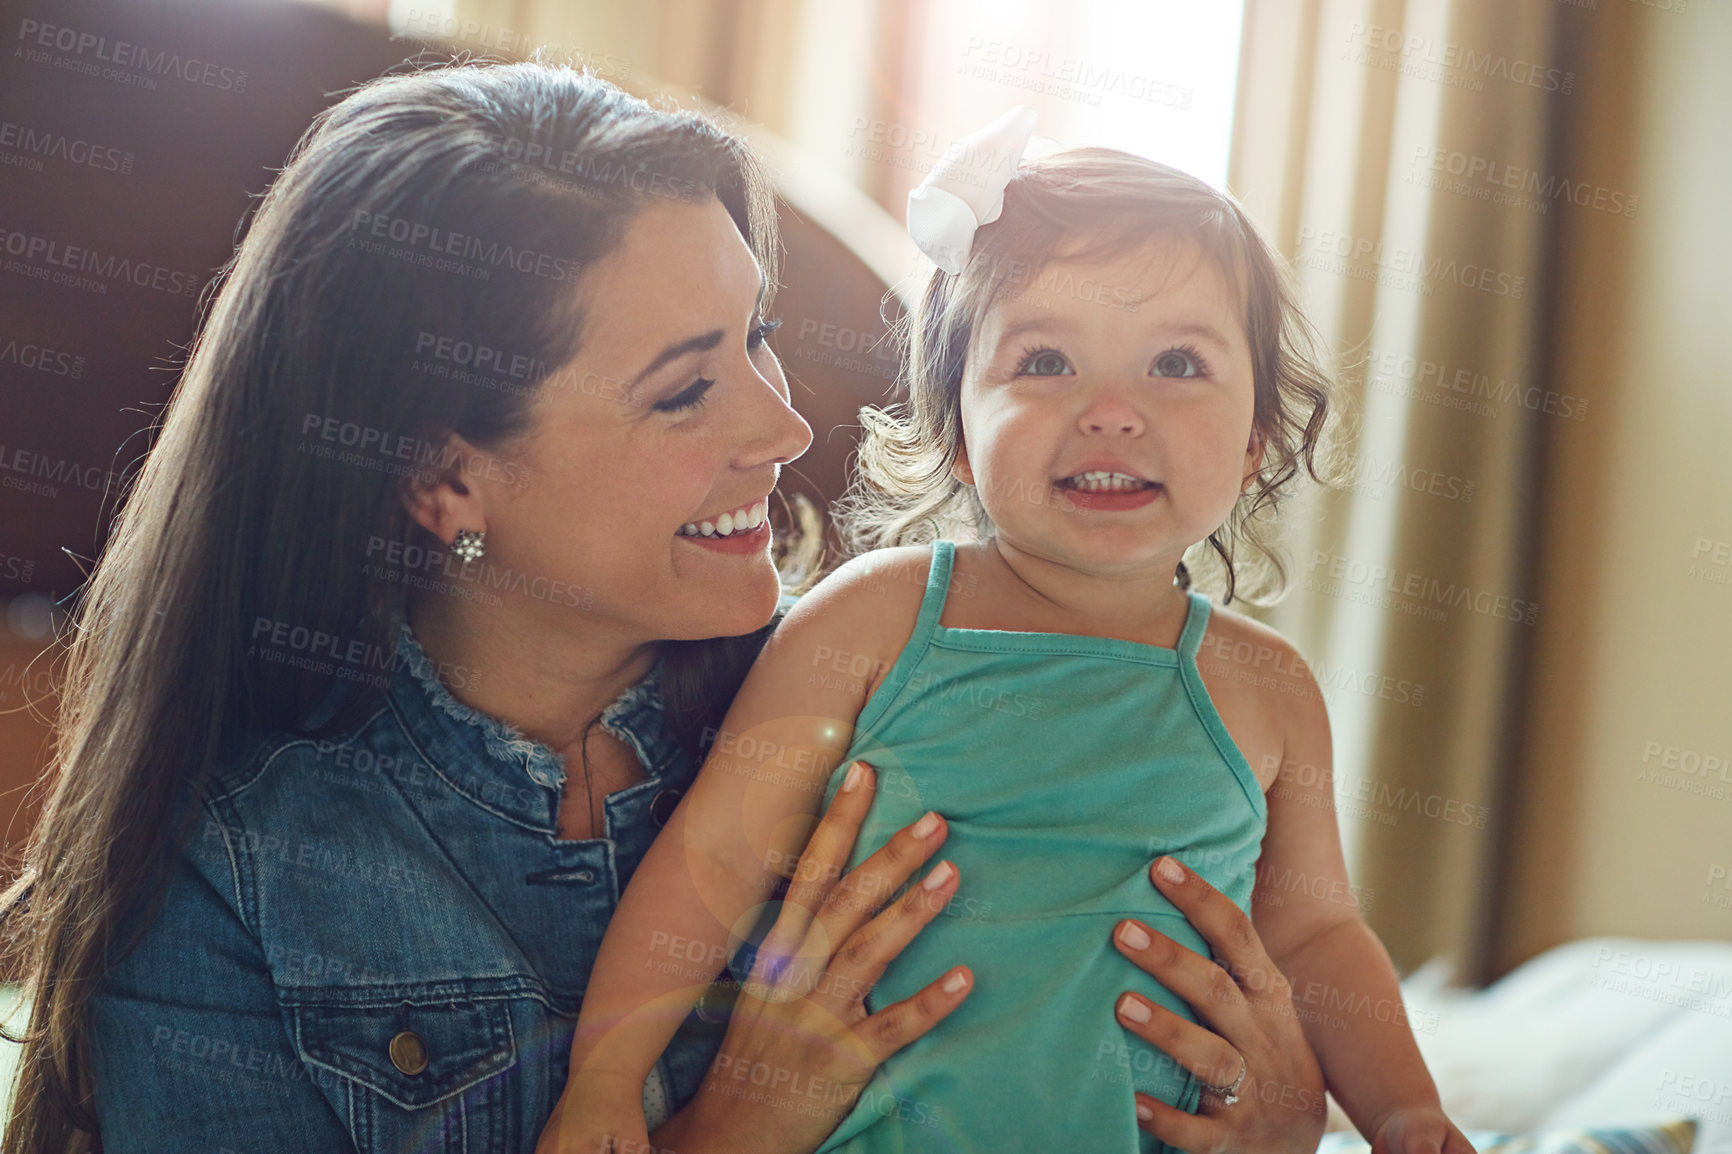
{"points": [[464, 741]]}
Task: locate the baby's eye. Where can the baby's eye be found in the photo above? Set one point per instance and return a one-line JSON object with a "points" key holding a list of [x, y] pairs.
{"points": [[1184, 362], [1044, 363]]}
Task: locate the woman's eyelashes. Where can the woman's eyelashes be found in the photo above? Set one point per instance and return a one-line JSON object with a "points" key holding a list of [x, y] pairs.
{"points": [[1180, 361], [692, 396]]}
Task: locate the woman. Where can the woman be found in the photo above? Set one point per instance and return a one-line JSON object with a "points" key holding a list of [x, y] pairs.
{"points": [[409, 637]]}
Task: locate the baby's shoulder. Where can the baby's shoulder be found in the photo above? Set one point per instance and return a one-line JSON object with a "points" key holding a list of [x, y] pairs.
{"points": [[864, 611], [1262, 688], [880, 579]]}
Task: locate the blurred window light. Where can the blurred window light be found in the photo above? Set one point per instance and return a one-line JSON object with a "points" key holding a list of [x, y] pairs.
{"points": [[1152, 77]]}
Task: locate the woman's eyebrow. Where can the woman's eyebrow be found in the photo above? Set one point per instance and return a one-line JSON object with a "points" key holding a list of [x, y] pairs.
{"points": [[698, 344], [679, 349]]}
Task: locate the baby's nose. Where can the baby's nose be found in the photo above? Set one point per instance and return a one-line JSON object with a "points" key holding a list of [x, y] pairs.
{"points": [[1111, 418]]}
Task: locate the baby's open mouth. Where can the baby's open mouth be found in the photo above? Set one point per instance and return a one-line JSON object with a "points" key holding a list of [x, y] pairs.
{"points": [[1102, 482]]}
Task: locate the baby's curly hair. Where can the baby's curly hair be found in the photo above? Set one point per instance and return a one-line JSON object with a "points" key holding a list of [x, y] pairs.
{"points": [[1107, 201]]}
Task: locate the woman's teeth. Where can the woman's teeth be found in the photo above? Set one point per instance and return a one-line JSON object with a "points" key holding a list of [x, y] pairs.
{"points": [[1099, 482], [742, 520]]}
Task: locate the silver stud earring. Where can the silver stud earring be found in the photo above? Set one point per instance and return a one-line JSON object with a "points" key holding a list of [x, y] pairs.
{"points": [[470, 545]]}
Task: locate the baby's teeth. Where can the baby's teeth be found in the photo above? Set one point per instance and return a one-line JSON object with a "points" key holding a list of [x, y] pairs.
{"points": [[1097, 481]]}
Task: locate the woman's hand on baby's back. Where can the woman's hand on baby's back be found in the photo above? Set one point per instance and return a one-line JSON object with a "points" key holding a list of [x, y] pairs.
{"points": [[801, 1044], [1246, 1037]]}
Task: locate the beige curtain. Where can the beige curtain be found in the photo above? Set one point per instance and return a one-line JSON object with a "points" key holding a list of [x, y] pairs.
{"points": [[1398, 153]]}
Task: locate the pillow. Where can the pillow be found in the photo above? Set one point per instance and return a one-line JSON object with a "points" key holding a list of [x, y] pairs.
{"points": [[1669, 1138]]}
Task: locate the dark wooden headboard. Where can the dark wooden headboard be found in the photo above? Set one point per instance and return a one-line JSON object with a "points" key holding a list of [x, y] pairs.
{"points": [[141, 131]]}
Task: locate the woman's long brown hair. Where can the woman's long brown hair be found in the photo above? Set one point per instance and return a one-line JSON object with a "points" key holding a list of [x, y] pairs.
{"points": [[321, 315]]}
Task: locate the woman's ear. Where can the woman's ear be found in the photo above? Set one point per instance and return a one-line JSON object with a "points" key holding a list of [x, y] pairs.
{"points": [[437, 498]]}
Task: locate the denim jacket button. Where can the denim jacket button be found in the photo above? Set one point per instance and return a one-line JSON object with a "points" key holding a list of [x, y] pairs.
{"points": [[409, 1052], [662, 806]]}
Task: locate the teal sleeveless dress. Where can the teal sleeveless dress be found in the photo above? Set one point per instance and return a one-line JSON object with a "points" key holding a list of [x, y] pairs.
{"points": [[1064, 765]]}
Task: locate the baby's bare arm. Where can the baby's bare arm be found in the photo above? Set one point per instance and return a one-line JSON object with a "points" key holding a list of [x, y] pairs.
{"points": [[1345, 990], [741, 827]]}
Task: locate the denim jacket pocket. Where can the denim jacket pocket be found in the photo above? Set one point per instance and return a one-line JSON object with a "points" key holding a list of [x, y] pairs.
{"points": [[422, 1076]]}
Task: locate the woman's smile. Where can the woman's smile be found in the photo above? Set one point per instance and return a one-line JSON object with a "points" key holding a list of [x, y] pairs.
{"points": [[736, 521]]}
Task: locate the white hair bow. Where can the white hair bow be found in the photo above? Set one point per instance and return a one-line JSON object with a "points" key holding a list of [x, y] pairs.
{"points": [[965, 189]]}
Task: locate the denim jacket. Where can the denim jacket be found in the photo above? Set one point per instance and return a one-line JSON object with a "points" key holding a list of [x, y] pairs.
{"points": [[379, 943]]}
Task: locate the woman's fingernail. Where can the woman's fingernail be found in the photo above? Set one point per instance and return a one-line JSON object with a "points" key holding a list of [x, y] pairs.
{"points": [[1169, 870], [954, 982], [1144, 1114], [855, 773], [1134, 936], [1133, 1009], [940, 874], [926, 826]]}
